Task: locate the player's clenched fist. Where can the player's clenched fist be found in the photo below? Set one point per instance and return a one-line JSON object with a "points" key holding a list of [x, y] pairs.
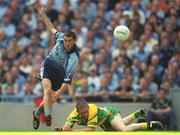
{"points": [[39, 7]]}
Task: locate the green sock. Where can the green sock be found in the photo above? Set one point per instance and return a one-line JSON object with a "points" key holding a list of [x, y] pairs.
{"points": [[136, 114]]}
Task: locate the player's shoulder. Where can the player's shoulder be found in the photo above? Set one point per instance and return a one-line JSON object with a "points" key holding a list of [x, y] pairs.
{"points": [[93, 109], [73, 113], [93, 106]]}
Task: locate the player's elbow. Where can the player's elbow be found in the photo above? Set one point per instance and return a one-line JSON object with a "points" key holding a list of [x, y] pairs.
{"points": [[90, 129], [53, 30], [67, 129]]}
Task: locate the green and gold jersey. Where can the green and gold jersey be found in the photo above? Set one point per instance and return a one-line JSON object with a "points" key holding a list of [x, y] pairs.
{"points": [[97, 116]]}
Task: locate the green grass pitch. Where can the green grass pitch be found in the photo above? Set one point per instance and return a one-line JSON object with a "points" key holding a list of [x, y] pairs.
{"points": [[90, 133]]}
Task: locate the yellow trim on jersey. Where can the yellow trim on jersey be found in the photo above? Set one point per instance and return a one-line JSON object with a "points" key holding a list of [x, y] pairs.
{"points": [[70, 122], [93, 118]]}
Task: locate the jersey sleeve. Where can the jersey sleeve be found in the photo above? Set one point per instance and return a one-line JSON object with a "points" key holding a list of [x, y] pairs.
{"points": [[59, 35], [71, 67], [72, 119], [93, 117]]}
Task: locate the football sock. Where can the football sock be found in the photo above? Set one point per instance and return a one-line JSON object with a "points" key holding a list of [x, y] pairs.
{"points": [[135, 115], [37, 112], [48, 111], [144, 125]]}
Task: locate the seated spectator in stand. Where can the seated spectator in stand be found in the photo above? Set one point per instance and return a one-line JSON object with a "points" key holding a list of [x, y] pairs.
{"points": [[143, 92], [81, 91], [166, 52], [93, 80], [140, 52], [162, 110], [152, 86], [175, 58], [27, 92], [143, 69], [152, 71], [104, 88], [9, 96], [3, 39], [167, 89], [155, 61], [124, 92], [132, 83], [174, 74]]}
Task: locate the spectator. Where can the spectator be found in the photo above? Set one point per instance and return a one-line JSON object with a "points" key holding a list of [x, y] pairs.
{"points": [[3, 39], [156, 63], [27, 92], [152, 86], [167, 89], [93, 80], [162, 110], [143, 92], [3, 8], [9, 88], [7, 25], [174, 74], [143, 69], [166, 52], [9, 96], [104, 91], [123, 92], [82, 90], [140, 53]]}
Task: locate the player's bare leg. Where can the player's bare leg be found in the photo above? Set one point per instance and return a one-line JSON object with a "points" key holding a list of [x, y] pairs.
{"points": [[118, 125], [139, 113], [46, 83], [46, 105]]}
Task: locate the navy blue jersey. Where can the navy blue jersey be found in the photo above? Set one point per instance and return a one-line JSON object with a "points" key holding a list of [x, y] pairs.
{"points": [[67, 60]]}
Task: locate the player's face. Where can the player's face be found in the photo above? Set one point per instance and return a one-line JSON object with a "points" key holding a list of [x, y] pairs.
{"points": [[69, 43], [83, 112]]}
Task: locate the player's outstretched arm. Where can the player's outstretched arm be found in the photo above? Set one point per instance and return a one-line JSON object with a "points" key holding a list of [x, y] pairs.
{"points": [[40, 8], [79, 129]]}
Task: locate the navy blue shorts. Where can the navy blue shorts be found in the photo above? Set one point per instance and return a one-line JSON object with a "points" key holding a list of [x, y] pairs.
{"points": [[52, 71]]}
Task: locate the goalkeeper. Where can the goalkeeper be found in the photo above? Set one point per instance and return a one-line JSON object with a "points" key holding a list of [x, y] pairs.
{"points": [[108, 118]]}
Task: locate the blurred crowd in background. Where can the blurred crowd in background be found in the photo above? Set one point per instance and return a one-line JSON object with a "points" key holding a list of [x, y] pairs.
{"points": [[108, 70]]}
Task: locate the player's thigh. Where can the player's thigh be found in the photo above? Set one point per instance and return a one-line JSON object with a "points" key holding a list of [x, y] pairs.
{"points": [[117, 123], [46, 84]]}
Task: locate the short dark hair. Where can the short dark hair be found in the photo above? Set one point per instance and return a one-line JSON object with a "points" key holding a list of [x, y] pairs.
{"points": [[81, 103], [70, 34]]}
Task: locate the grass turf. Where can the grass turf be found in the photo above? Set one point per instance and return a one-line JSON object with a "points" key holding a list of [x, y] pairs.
{"points": [[90, 133]]}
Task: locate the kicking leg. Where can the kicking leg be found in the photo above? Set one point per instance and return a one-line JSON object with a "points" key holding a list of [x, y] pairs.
{"points": [[39, 110], [47, 103], [139, 113]]}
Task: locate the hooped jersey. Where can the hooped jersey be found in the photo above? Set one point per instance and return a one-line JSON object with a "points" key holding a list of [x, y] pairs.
{"points": [[97, 115]]}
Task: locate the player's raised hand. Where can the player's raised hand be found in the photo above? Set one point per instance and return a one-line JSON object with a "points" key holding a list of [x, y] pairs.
{"points": [[58, 129], [39, 7]]}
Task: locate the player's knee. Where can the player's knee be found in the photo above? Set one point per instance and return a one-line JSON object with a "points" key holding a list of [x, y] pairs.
{"points": [[47, 91], [124, 129]]}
